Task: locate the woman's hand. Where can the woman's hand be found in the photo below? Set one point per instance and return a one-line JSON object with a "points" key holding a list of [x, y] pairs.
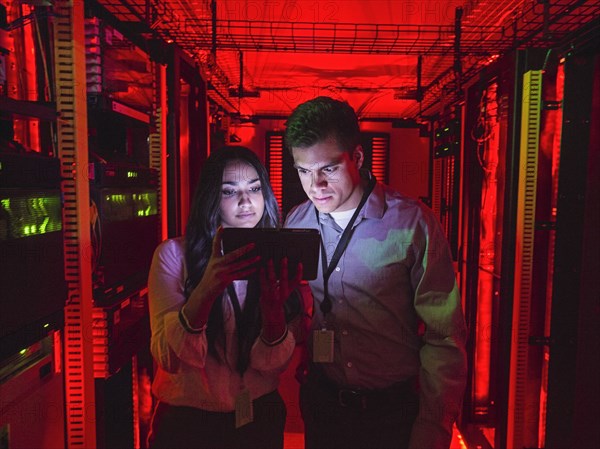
{"points": [[221, 271], [274, 293]]}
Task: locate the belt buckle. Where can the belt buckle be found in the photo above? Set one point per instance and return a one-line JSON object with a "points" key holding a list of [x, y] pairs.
{"points": [[348, 397]]}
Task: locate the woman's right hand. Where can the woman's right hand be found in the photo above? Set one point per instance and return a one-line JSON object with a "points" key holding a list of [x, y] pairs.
{"points": [[221, 271]]}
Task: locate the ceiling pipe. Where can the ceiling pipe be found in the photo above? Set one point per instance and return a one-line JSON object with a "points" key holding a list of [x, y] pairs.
{"points": [[457, 35], [241, 88], [419, 72], [213, 13], [240, 92], [546, 28]]}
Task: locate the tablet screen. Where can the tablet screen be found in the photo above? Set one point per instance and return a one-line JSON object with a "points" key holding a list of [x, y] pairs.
{"points": [[298, 245]]}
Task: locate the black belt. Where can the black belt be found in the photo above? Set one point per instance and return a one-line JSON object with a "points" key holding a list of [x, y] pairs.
{"points": [[363, 398]]}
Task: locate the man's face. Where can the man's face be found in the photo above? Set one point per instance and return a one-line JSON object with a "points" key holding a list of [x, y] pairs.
{"points": [[329, 175]]}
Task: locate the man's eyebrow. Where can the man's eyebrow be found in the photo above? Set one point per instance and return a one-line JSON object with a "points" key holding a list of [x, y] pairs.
{"points": [[331, 164]]}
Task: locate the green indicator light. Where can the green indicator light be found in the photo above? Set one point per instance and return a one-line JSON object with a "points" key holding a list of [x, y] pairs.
{"points": [[33, 215], [44, 225], [129, 205], [23, 352], [46, 325]]}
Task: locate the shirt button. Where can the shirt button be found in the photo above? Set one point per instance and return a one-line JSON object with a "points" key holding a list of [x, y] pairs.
{"points": [[339, 301], [344, 332], [349, 364], [337, 268]]}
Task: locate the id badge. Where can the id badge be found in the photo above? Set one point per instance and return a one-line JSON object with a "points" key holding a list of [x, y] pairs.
{"points": [[323, 346], [243, 409]]}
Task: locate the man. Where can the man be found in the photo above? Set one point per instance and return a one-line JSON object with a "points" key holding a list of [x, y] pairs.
{"points": [[388, 364]]}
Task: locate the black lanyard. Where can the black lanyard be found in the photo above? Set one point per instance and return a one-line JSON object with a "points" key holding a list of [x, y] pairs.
{"points": [[242, 329], [326, 304]]}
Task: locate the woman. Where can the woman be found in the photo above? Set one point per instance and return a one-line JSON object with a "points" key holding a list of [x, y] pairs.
{"points": [[220, 343]]}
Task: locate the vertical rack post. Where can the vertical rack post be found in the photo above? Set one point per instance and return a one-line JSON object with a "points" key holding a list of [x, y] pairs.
{"points": [[69, 48], [524, 252], [158, 142]]}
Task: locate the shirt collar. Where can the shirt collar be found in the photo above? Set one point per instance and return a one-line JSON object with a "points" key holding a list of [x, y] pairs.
{"points": [[375, 205]]}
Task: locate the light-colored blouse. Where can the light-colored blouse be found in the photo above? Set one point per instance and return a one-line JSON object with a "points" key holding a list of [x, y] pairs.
{"points": [[187, 374]]}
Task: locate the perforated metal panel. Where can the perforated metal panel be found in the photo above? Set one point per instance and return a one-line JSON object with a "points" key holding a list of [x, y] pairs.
{"points": [[444, 197], [158, 141], [380, 157], [525, 228], [275, 165], [73, 151]]}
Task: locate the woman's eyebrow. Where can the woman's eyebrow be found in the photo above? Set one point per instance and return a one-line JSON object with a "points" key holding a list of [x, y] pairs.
{"points": [[235, 183]]}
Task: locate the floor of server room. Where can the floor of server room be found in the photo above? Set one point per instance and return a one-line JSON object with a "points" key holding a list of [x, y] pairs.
{"points": [[294, 428]]}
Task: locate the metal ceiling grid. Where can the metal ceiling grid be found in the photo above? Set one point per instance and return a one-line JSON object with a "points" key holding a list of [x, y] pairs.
{"points": [[545, 23], [489, 28], [125, 11], [305, 37]]}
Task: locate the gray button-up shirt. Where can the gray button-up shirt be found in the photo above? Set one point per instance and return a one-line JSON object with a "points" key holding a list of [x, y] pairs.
{"points": [[396, 308]]}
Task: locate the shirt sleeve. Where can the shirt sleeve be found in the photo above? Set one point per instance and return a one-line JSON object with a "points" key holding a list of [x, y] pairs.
{"points": [[442, 376], [170, 342], [274, 359]]}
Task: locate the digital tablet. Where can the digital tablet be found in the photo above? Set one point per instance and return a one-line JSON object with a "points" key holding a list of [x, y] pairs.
{"points": [[299, 245]]}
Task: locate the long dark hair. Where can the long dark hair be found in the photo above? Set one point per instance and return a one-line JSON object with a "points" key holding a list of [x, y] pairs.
{"points": [[202, 225]]}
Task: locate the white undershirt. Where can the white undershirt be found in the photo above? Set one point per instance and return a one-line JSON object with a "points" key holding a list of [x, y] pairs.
{"points": [[343, 218]]}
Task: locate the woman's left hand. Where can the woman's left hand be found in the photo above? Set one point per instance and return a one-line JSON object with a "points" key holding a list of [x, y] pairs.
{"points": [[274, 293]]}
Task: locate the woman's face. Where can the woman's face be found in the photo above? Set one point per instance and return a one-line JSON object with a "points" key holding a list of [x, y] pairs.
{"points": [[242, 201]]}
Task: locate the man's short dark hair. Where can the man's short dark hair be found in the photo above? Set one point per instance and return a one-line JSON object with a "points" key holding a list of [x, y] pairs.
{"points": [[320, 119]]}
